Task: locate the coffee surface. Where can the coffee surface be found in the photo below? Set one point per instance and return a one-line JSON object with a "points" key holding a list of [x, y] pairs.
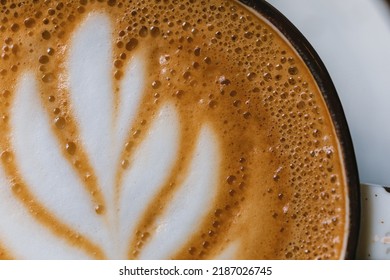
{"points": [[162, 129]]}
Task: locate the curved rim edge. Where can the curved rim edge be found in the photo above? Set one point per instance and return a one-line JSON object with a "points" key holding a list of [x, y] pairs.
{"points": [[329, 93]]}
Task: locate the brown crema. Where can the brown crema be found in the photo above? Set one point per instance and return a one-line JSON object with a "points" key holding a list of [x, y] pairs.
{"points": [[281, 191]]}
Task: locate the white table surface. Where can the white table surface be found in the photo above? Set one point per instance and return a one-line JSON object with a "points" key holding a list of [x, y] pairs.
{"points": [[352, 38]]}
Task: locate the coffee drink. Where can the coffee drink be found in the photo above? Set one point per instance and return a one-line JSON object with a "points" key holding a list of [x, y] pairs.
{"points": [[162, 129]]}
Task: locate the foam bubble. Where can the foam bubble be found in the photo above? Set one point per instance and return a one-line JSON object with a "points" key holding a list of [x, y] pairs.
{"points": [[218, 65]]}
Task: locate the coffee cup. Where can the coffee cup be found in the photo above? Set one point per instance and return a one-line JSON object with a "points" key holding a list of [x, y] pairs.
{"points": [[194, 130]]}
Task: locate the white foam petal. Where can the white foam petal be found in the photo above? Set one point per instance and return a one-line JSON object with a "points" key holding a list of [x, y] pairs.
{"points": [[43, 167], [150, 167], [185, 212], [23, 236], [90, 85], [230, 252], [132, 87]]}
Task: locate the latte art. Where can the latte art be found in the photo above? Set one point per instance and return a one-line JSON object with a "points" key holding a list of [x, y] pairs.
{"points": [[162, 129]]}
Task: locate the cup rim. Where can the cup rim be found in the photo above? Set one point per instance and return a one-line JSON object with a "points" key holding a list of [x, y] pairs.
{"points": [[333, 103]]}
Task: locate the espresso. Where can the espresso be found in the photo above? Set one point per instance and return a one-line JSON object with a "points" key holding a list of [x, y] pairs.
{"points": [[162, 129]]}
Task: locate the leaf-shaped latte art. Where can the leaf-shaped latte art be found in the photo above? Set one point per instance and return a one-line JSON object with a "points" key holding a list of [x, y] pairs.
{"points": [[50, 177], [162, 129], [104, 127], [185, 211]]}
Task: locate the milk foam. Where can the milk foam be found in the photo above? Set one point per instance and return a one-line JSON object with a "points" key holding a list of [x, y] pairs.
{"points": [[104, 129], [162, 129]]}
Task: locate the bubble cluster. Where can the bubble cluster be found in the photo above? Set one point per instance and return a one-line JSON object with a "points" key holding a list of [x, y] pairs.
{"points": [[220, 64]]}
